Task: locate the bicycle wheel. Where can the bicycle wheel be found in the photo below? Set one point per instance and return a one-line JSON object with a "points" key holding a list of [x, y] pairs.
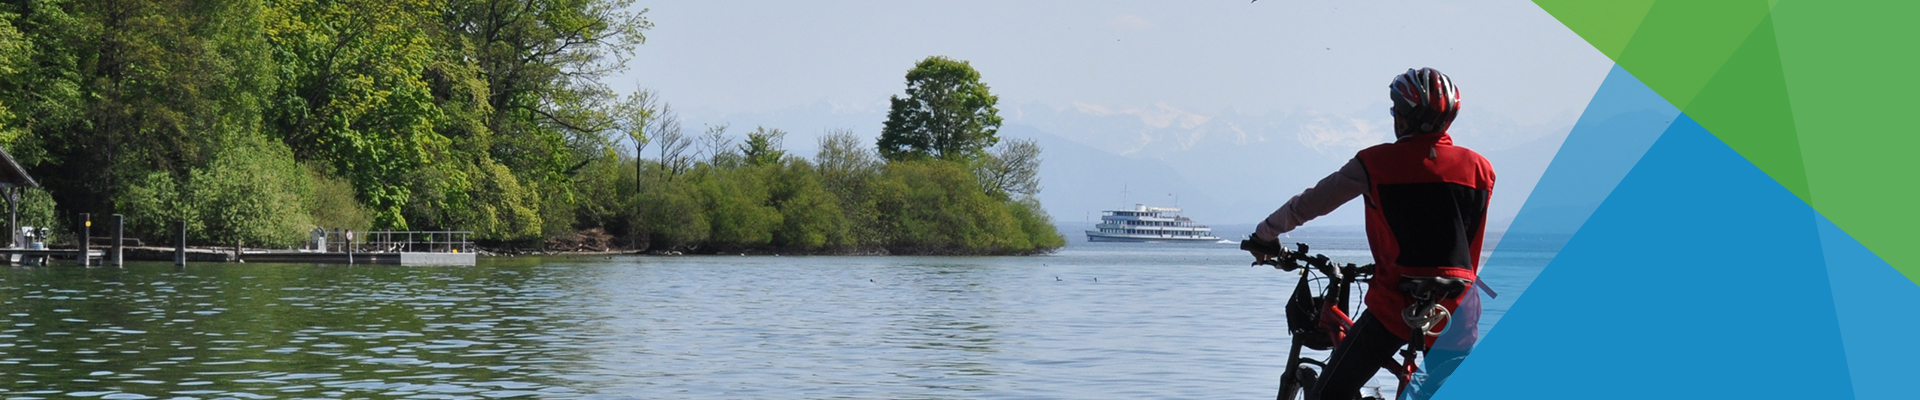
{"points": [[1293, 385]]}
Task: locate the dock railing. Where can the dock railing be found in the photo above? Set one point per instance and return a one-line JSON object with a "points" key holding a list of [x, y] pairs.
{"points": [[414, 242]]}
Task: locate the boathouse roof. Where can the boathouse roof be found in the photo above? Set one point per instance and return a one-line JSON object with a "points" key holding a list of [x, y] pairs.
{"points": [[12, 175]]}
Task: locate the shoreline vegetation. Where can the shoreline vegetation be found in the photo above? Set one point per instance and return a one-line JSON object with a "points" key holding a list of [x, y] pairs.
{"points": [[256, 121]]}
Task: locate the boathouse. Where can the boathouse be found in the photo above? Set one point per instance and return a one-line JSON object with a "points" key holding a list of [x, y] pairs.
{"points": [[14, 180]]}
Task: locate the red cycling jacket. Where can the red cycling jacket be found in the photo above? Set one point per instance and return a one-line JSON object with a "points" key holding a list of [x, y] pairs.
{"points": [[1426, 203]]}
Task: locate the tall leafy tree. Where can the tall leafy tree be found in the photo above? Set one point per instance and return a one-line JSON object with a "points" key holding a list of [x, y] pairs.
{"points": [[15, 54], [520, 81], [541, 62], [353, 95], [947, 114], [115, 91]]}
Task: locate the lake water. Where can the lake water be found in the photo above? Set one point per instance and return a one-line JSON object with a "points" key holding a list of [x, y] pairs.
{"points": [[1092, 321]]}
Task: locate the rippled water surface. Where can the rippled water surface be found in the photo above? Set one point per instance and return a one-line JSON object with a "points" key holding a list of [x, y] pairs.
{"points": [[1089, 322]]}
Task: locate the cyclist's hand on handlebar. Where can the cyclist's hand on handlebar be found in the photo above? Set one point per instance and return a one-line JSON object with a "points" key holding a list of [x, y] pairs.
{"points": [[1263, 251], [1259, 258]]}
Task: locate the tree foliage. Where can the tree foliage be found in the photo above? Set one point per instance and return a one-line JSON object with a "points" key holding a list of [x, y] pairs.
{"points": [[254, 121], [947, 114], [431, 114], [352, 93], [843, 200], [763, 146], [1010, 168]]}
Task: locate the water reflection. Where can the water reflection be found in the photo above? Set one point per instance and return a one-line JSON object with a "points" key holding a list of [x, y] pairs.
{"points": [[261, 331], [1118, 323]]}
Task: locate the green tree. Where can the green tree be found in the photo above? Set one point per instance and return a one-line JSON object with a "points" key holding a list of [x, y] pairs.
{"points": [[935, 207], [605, 194], [15, 58], [517, 83], [160, 193], [253, 193], [847, 167], [669, 214], [763, 146], [334, 203], [1010, 168], [1041, 234], [738, 207], [540, 62], [810, 216], [255, 120], [114, 90], [947, 114], [352, 94]]}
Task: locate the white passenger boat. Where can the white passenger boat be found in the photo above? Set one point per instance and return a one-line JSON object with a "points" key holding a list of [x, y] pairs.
{"points": [[1148, 224]]}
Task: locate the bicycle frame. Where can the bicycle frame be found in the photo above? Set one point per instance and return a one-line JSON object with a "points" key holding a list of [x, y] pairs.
{"points": [[1333, 306]]}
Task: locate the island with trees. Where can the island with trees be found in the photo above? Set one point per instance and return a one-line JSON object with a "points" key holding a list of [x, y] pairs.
{"points": [[256, 120]]}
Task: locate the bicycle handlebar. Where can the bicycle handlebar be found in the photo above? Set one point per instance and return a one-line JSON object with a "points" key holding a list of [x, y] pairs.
{"points": [[1291, 260]]}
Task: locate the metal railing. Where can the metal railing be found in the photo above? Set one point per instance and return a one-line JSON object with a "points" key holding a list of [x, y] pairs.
{"points": [[338, 240], [414, 242]]}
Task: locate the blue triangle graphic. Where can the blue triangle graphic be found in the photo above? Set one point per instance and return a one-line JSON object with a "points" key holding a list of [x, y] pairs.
{"points": [[1619, 124], [1694, 279], [1873, 302], [1622, 121]]}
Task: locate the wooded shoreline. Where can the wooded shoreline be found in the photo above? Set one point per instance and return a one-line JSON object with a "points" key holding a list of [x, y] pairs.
{"points": [[256, 121]]}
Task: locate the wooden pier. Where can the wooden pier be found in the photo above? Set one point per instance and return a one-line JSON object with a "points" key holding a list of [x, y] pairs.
{"points": [[383, 248], [42, 256], [336, 246], [412, 259]]}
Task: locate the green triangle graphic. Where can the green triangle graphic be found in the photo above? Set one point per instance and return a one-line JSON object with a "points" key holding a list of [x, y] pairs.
{"points": [[1848, 70], [1608, 25], [1745, 105], [1681, 44], [1845, 128]]}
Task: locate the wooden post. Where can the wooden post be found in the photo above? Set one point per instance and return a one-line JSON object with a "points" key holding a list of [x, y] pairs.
{"points": [[236, 250], [119, 240], [86, 238], [13, 218], [180, 246]]}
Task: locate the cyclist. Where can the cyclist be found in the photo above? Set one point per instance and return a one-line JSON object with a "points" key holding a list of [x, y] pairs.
{"points": [[1426, 206]]}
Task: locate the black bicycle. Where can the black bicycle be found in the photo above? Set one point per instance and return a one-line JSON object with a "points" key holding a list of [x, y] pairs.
{"points": [[1320, 320]]}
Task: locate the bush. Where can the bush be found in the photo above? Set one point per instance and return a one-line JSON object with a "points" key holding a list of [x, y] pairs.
{"points": [[738, 207], [252, 192], [810, 217], [603, 194], [153, 203], [334, 204], [668, 214], [1041, 233], [504, 208], [475, 195], [936, 207]]}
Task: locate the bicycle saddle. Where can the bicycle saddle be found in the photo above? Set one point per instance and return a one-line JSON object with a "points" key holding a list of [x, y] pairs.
{"points": [[1433, 287]]}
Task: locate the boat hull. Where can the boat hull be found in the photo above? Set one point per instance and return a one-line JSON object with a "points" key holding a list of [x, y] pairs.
{"points": [[1096, 236]]}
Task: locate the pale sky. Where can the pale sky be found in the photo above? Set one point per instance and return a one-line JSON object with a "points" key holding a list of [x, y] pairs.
{"points": [[806, 66], [743, 57]]}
